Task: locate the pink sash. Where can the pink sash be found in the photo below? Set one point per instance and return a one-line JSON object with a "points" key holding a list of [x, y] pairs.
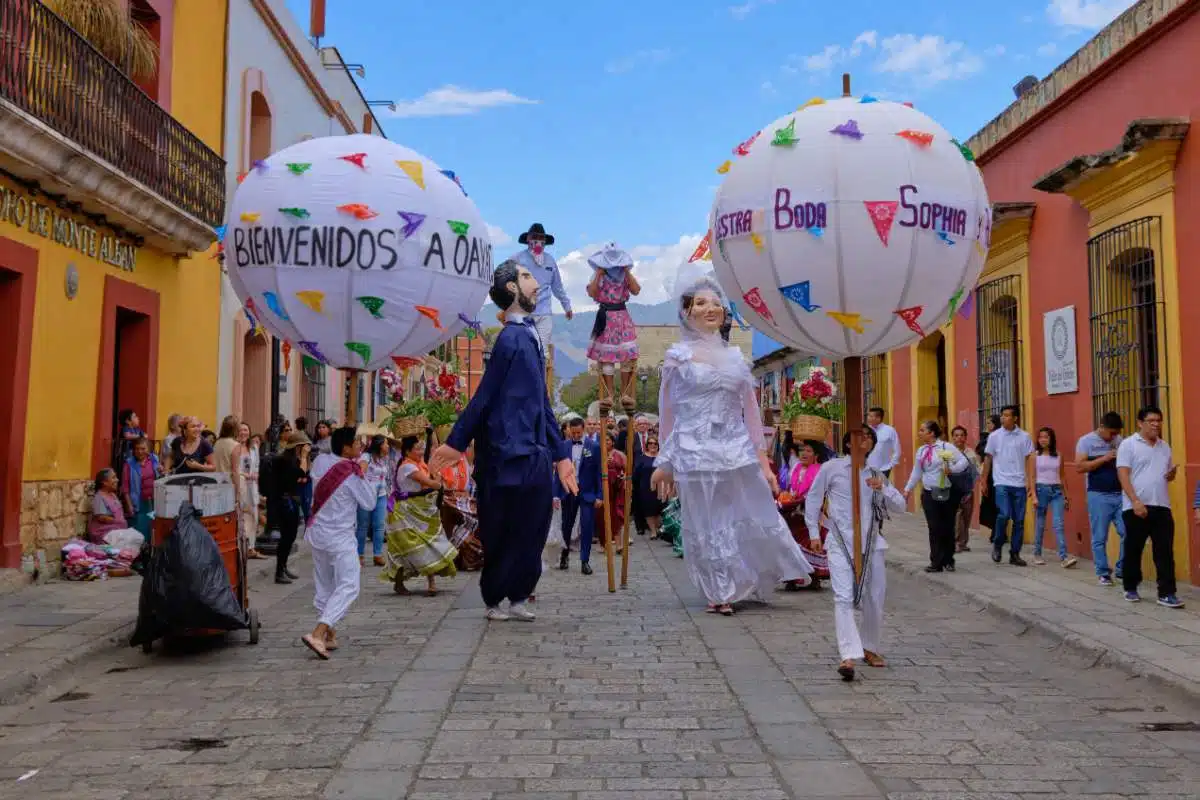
{"points": [[331, 481]]}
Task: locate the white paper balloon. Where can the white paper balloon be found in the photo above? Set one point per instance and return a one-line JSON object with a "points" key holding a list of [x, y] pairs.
{"points": [[851, 227], [355, 248]]}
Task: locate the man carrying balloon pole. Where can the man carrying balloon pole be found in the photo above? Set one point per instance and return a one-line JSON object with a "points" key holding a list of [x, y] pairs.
{"points": [[544, 269], [518, 447]]}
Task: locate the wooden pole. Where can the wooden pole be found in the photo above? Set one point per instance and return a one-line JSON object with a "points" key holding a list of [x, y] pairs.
{"points": [[845, 84], [852, 386], [609, 555], [630, 433]]}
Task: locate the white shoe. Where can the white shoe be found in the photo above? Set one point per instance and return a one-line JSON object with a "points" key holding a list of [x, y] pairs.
{"points": [[520, 611], [496, 614]]}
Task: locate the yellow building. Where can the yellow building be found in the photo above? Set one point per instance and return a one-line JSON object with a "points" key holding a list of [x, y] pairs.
{"points": [[653, 341], [110, 189]]}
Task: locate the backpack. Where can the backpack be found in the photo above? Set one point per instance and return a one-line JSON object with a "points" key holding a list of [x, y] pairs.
{"points": [[964, 482]]}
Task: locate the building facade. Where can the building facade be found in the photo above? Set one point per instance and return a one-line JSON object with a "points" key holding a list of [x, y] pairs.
{"points": [[111, 187], [281, 89]]}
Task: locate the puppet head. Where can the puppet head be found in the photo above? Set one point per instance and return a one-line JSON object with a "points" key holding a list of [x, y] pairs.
{"points": [[514, 289]]}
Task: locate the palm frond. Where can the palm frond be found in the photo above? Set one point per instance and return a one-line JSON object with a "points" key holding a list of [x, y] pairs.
{"points": [[109, 27]]}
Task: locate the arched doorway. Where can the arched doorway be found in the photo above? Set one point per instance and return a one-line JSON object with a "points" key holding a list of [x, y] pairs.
{"points": [[256, 373], [260, 127], [932, 400]]}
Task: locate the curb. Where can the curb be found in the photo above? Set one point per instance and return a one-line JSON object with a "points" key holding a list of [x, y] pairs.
{"points": [[15, 689], [1103, 655]]}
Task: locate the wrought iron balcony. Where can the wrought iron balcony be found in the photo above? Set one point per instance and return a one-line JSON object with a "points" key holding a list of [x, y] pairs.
{"points": [[78, 127]]}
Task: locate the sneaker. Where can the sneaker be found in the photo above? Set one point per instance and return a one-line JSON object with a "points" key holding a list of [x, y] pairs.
{"points": [[1017, 561], [1069, 562], [1133, 597], [1170, 601], [1038, 561], [1104, 580], [519, 611], [496, 614]]}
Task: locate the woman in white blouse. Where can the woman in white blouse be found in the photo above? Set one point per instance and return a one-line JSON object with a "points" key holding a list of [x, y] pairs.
{"points": [[934, 465]]}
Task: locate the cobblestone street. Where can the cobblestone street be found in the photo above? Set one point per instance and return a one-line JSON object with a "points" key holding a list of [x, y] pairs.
{"points": [[605, 697]]}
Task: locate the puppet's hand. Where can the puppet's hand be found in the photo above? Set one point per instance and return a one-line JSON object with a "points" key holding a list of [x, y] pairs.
{"points": [[443, 457], [663, 484], [566, 476], [570, 315]]}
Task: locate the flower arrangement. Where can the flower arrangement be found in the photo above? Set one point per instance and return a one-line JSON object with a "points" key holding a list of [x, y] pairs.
{"points": [[393, 384], [815, 397]]}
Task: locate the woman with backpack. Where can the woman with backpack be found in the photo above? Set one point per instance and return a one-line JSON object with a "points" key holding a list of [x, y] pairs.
{"points": [[943, 472], [966, 505]]}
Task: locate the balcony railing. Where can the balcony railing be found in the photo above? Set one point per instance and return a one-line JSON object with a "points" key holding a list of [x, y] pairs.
{"points": [[52, 73]]}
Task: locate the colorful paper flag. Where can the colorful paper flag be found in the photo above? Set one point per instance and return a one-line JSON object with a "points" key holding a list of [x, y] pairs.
{"points": [[743, 149], [414, 171], [962, 148], [851, 320], [406, 362], [360, 349], [945, 237], [275, 306], [919, 138], [298, 168], [412, 221], [449, 173], [968, 304], [907, 104], [460, 228], [816, 231], [866, 98], [849, 129], [799, 293], [883, 214], [785, 136], [754, 299], [979, 248], [260, 166], [250, 318], [372, 304], [220, 231], [250, 217], [313, 299], [356, 159], [286, 350], [702, 250], [298, 213], [816, 101], [358, 211], [473, 325], [955, 299], [432, 314], [757, 240], [242, 176], [733, 312], [724, 168], [910, 317], [313, 350]]}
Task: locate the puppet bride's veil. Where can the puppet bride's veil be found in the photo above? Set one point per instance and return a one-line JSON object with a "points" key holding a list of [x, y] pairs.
{"points": [[691, 279]]}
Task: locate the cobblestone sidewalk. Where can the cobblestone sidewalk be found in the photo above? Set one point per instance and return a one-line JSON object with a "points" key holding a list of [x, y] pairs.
{"points": [[638, 695], [1145, 638]]}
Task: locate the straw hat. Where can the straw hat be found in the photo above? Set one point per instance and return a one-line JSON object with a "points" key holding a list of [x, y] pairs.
{"points": [[368, 429], [295, 439]]}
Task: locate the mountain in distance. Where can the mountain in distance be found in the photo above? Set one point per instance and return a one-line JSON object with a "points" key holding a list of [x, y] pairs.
{"points": [[571, 339]]}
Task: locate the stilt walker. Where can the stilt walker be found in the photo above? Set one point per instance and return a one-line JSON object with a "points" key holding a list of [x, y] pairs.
{"points": [[848, 269], [613, 345], [630, 437]]}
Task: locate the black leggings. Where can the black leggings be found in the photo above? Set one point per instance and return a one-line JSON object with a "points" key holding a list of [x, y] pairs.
{"points": [[287, 517], [940, 517]]}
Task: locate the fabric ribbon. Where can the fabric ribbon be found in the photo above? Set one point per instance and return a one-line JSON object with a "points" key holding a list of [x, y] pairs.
{"points": [[602, 318], [331, 481]]}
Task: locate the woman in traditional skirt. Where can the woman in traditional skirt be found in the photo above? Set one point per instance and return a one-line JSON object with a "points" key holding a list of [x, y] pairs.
{"points": [[459, 520], [416, 545], [810, 455], [671, 527]]}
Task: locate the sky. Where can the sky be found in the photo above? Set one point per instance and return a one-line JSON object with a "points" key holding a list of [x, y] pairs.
{"points": [[605, 121]]}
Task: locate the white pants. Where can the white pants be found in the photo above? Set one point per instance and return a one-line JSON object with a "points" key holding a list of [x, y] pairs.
{"points": [[852, 640], [336, 575], [544, 325]]}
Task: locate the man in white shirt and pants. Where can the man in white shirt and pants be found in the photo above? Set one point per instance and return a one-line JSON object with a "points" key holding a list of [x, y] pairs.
{"points": [[1008, 458], [886, 454], [1145, 467], [833, 483], [340, 491]]}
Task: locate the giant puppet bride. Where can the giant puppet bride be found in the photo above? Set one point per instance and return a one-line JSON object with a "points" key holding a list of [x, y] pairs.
{"points": [[713, 455]]}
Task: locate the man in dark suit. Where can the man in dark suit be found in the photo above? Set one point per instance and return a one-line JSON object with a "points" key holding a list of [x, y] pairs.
{"points": [[518, 448], [641, 429], [569, 503], [591, 497]]}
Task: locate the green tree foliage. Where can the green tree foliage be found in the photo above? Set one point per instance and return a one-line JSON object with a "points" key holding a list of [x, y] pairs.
{"points": [[582, 390]]}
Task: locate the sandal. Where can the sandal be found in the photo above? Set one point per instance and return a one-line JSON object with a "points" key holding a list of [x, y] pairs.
{"points": [[846, 670], [316, 646], [710, 610], [874, 659], [725, 610]]}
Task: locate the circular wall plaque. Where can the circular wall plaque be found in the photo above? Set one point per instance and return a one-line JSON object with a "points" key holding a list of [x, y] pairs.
{"points": [[72, 282]]}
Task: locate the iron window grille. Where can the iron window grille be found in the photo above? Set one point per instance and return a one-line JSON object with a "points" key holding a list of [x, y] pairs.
{"points": [[998, 337]]}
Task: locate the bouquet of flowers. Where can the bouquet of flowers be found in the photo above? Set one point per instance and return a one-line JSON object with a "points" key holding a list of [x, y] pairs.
{"points": [[815, 397], [393, 384]]}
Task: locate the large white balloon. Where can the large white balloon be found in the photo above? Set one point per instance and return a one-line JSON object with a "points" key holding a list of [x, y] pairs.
{"points": [[355, 248], [851, 227]]}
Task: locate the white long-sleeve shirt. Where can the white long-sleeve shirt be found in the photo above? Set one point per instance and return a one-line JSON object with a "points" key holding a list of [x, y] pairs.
{"points": [[333, 529], [927, 466], [833, 484], [886, 454]]}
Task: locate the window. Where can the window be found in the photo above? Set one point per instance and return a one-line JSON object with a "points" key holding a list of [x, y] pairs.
{"points": [[312, 390], [875, 382], [1128, 359], [998, 334]]}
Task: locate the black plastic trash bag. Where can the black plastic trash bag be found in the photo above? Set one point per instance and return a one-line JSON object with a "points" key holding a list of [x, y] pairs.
{"points": [[186, 585]]}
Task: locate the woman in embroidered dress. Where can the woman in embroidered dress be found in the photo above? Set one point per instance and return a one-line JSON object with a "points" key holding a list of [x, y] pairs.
{"points": [[737, 546], [614, 336], [810, 456], [416, 545]]}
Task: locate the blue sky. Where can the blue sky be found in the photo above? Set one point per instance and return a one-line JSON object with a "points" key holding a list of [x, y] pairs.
{"points": [[607, 120]]}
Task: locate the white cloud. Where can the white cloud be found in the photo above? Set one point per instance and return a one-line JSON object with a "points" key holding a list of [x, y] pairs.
{"points": [[498, 236], [1088, 15], [995, 51], [768, 89], [654, 265], [640, 58], [1047, 50], [746, 9], [454, 101], [927, 59], [835, 54]]}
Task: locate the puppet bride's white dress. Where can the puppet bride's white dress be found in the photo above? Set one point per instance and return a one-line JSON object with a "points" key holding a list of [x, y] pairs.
{"points": [[735, 542]]}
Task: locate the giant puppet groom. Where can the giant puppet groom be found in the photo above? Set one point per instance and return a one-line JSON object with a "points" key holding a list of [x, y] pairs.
{"points": [[544, 268], [517, 442]]}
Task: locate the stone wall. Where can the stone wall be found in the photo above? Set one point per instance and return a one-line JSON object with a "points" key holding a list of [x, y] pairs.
{"points": [[53, 512]]}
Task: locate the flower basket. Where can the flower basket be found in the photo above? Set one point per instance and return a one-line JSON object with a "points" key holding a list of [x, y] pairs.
{"points": [[806, 426], [409, 426], [443, 432]]}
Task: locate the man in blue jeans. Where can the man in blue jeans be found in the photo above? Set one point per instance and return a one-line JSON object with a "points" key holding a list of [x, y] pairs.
{"points": [[1096, 457], [1008, 459]]}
